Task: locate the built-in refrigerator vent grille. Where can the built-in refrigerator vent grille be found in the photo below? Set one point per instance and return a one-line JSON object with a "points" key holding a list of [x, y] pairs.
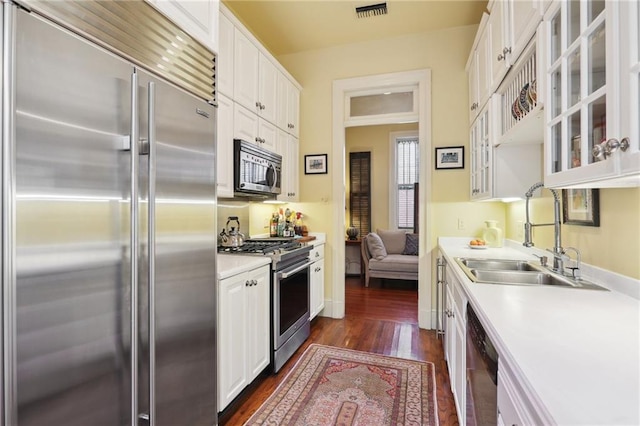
{"points": [[137, 31], [371, 10]]}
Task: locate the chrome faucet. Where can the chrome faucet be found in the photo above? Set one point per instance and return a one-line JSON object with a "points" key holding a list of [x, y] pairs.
{"points": [[558, 251]]}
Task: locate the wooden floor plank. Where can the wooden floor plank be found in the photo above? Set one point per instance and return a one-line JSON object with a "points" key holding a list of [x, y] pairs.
{"points": [[383, 319]]}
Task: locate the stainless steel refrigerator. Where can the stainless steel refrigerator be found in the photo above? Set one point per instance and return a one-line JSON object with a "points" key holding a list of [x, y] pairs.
{"points": [[109, 239]]}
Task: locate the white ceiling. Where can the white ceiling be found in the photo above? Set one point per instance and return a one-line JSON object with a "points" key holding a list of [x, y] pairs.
{"points": [[290, 26]]}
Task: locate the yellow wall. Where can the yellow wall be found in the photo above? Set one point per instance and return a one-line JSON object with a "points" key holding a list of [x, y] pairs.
{"points": [[614, 245], [374, 139], [445, 53]]}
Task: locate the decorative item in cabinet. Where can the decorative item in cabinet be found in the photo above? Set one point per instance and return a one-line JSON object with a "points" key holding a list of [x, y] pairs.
{"points": [[520, 106]]}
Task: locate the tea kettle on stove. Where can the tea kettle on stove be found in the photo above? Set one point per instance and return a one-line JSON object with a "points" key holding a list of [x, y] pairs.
{"points": [[231, 237]]}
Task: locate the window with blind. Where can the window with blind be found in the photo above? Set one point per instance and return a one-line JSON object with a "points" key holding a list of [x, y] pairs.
{"points": [[406, 162], [360, 191]]}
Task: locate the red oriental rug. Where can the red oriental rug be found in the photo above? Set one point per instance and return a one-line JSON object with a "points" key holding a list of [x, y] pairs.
{"points": [[340, 387]]}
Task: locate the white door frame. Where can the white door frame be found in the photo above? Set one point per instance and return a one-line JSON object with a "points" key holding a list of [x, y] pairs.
{"points": [[340, 90]]}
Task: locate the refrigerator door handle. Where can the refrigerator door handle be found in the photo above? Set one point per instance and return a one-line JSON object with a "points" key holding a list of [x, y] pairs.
{"points": [[152, 249], [134, 248]]}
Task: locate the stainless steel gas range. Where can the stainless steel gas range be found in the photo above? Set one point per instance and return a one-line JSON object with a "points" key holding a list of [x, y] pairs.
{"points": [[290, 290]]}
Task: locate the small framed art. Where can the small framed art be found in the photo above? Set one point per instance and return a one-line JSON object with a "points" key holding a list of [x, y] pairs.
{"points": [[450, 157], [581, 207], [315, 164]]}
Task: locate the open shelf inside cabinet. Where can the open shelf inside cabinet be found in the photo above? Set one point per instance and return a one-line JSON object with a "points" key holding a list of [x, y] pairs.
{"points": [[521, 116]]}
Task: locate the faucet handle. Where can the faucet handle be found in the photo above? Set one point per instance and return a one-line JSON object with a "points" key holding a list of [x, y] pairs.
{"points": [[575, 272]]}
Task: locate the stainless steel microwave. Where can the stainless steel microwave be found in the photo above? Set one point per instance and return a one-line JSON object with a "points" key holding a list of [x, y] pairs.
{"points": [[257, 171]]}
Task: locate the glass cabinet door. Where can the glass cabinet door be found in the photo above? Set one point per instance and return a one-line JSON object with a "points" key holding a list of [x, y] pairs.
{"points": [[481, 156], [629, 15], [577, 91]]}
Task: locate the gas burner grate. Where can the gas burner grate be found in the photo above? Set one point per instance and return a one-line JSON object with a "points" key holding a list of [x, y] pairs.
{"points": [[262, 246]]}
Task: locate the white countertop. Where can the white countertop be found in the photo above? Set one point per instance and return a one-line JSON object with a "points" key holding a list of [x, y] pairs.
{"points": [[228, 265], [576, 352]]}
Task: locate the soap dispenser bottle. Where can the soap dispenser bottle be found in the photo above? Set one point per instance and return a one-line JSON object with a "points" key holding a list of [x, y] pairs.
{"points": [[492, 235]]}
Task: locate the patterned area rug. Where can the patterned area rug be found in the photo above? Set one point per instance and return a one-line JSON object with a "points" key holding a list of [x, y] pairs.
{"points": [[334, 386]]}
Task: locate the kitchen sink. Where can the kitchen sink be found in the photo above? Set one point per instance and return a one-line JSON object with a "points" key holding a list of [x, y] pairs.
{"points": [[499, 265], [517, 272]]}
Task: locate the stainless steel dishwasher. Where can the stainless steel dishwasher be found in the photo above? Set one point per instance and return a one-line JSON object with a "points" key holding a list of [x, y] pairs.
{"points": [[482, 374]]}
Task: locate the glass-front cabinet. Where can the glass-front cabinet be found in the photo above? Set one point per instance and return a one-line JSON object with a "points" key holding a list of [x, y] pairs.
{"points": [[588, 141], [629, 15], [480, 144]]}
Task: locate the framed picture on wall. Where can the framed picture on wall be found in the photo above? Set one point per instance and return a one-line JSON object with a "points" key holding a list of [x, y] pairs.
{"points": [[450, 157], [581, 207], [315, 164]]}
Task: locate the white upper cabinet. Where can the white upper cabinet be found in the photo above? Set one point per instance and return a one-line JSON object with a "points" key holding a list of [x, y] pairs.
{"points": [[251, 128], [512, 24], [288, 105], [246, 63], [225, 66], [256, 78], [591, 73], [224, 148], [499, 41], [478, 70], [524, 18], [267, 89], [289, 149], [257, 96], [629, 15], [198, 18]]}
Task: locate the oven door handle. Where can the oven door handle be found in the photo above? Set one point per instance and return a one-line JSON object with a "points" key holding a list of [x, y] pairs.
{"points": [[287, 273]]}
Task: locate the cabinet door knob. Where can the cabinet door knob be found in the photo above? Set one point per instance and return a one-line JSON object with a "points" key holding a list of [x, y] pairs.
{"points": [[624, 144], [600, 151], [614, 144]]}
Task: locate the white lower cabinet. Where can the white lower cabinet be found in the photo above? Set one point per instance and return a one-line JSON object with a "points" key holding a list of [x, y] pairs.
{"points": [[243, 331], [512, 405], [455, 340], [316, 298]]}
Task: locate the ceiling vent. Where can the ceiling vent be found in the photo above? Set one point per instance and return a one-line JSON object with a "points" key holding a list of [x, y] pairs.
{"points": [[371, 10]]}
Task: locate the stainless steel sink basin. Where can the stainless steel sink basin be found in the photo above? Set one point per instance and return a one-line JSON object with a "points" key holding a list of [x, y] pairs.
{"points": [[517, 272], [518, 277], [499, 265]]}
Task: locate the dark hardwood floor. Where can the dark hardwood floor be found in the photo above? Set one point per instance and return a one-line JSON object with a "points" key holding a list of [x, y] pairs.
{"points": [[383, 319]]}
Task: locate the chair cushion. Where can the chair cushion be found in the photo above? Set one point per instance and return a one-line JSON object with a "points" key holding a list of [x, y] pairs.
{"points": [[395, 263], [411, 245], [394, 241], [375, 246]]}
